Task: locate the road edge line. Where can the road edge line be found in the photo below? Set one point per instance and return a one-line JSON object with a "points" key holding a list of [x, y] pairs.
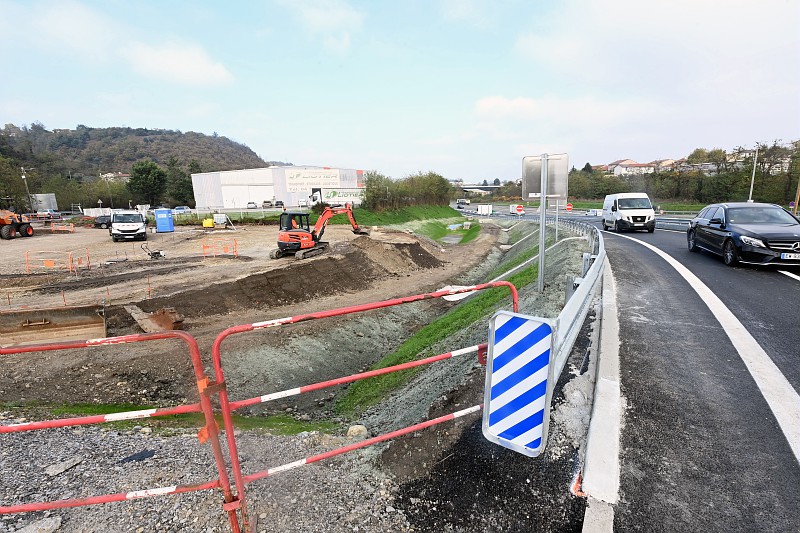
{"points": [[601, 470], [782, 400]]}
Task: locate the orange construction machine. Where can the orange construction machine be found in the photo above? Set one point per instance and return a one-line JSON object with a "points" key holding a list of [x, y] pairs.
{"points": [[299, 238], [12, 223]]}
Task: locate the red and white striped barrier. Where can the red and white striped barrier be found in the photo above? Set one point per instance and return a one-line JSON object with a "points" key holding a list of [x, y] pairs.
{"points": [[227, 406], [234, 504], [208, 433]]}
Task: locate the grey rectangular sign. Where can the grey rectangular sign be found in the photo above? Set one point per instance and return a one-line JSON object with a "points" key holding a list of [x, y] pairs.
{"points": [[557, 176]]}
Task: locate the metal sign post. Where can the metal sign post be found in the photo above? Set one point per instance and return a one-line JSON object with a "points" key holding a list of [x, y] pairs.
{"points": [[519, 382], [542, 177], [557, 206], [542, 225]]}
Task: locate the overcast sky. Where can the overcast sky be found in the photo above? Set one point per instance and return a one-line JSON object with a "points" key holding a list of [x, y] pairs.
{"points": [[464, 88]]}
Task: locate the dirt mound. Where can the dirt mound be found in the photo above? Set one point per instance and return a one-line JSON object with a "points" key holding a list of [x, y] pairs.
{"points": [[349, 268], [397, 257]]}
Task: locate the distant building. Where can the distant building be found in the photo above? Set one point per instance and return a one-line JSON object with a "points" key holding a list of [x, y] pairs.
{"points": [[115, 176], [290, 184]]}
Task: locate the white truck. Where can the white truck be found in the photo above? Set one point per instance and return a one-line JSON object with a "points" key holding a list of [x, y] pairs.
{"points": [[484, 209], [628, 211], [128, 225], [336, 197]]}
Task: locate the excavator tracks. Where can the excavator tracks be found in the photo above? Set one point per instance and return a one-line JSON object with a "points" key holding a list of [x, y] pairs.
{"points": [[311, 252]]}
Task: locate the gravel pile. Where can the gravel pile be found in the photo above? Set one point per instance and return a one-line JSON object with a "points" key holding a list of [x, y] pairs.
{"points": [[345, 493]]}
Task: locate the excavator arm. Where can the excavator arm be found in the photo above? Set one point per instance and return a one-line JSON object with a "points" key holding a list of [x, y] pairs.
{"points": [[330, 212]]}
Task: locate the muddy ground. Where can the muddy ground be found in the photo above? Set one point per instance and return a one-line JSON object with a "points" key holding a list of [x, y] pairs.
{"points": [[213, 293]]}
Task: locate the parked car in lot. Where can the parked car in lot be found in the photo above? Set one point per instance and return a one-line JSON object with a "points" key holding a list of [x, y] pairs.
{"points": [[182, 210], [279, 203], [266, 204], [252, 205], [743, 232], [103, 221], [47, 213]]}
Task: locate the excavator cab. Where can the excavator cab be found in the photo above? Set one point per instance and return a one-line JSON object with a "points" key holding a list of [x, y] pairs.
{"points": [[295, 234], [291, 221]]}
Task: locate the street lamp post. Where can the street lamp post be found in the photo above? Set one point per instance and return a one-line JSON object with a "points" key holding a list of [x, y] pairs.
{"points": [[753, 176], [27, 190]]}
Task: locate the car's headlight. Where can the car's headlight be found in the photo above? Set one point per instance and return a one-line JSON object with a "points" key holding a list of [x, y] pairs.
{"points": [[750, 241]]}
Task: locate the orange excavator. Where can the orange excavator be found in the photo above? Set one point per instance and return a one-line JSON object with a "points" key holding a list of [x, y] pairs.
{"points": [[298, 238]]}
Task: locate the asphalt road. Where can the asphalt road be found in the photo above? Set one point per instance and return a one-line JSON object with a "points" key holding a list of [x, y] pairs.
{"points": [[701, 448]]}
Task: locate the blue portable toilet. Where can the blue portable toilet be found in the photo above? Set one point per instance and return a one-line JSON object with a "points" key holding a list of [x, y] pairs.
{"points": [[164, 223]]}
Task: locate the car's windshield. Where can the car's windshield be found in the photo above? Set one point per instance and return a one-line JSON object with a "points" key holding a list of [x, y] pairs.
{"points": [[127, 218], [759, 215], [634, 203]]}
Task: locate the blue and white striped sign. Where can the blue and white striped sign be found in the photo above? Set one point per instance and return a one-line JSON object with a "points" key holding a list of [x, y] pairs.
{"points": [[518, 382]]}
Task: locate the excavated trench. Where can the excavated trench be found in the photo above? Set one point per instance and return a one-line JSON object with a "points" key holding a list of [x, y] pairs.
{"points": [[160, 372]]}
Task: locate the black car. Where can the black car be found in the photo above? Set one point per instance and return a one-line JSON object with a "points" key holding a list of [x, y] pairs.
{"points": [[103, 221], [745, 232]]}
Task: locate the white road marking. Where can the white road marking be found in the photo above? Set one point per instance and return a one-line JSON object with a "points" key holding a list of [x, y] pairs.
{"points": [[601, 466], [781, 397], [795, 276]]}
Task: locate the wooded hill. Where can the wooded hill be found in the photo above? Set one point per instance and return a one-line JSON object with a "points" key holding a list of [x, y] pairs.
{"points": [[86, 151], [69, 163]]}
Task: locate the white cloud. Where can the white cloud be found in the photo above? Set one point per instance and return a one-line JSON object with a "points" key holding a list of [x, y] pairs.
{"points": [[683, 44], [59, 28], [180, 63], [562, 114], [475, 12], [331, 21]]}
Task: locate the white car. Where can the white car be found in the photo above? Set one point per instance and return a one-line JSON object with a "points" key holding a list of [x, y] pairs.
{"points": [[252, 205], [181, 210]]}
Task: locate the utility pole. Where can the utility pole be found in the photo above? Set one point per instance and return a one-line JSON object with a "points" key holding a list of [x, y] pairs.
{"points": [[27, 190], [753, 177]]}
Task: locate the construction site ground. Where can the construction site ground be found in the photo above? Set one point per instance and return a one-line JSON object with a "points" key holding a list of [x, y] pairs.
{"points": [[216, 292]]}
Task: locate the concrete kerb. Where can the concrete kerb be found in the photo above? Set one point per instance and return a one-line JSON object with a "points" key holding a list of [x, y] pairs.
{"points": [[601, 468]]}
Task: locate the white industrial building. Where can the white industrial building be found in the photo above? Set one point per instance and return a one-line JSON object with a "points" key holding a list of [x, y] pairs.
{"points": [[293, 185]]}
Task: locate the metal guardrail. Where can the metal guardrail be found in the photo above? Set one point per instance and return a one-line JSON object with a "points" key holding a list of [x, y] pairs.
{"points": [[580, 291], [672, 223]]}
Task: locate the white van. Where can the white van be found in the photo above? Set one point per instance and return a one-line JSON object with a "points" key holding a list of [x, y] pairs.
{"points": [[128, 225], [628, 211]]}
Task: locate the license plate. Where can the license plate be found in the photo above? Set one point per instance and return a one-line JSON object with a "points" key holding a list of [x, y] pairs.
{"points": [[790, 256]]}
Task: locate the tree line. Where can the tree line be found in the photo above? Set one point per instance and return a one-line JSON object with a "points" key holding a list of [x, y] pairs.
{"points": [[716, 178], [149, 183], [383, 193]]}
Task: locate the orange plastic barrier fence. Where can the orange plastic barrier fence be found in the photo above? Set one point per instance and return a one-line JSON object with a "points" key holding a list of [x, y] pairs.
{"points": [[69, 261], [69, 228], [215, 247]]}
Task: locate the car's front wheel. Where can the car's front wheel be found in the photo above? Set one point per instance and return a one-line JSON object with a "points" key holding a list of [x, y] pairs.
{"points": [[103, 226], [690, 240], [729, 253]]}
